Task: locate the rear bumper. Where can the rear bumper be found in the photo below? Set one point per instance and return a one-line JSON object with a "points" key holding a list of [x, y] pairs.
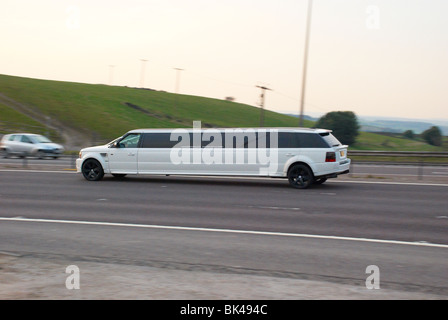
{"points": [[343, 168]]}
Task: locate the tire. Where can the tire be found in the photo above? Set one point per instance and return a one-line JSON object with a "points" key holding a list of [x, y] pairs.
{"points": [[320, 181], [300, 176], [119, 175], [92, 170], [4, 153]]}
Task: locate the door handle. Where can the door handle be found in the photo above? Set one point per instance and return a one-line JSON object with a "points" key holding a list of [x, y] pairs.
{"points": [[131, 154]]}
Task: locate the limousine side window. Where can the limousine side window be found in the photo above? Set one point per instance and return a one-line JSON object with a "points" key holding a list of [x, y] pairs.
{"points": [[300, 140], [130, 141], [240, 140], [158, 140], [311, 140]]}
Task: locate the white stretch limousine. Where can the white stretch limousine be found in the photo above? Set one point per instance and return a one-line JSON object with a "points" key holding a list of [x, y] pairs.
{"points": [[304, 156]]}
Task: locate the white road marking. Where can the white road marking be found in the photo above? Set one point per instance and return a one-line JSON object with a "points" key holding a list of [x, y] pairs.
{"points": [[248, 232], [272, 208], [37, 171], [393, 183]]}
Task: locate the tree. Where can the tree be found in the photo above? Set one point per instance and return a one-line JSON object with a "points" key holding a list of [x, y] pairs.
{"points": [[433, 136], [343, 123], [409, 134]]}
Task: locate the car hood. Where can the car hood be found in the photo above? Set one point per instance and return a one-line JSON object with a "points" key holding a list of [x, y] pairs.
{"points": [[102, 148]]}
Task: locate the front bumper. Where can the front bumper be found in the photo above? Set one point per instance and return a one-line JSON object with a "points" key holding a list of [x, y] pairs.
{"points": [[78, 165]]}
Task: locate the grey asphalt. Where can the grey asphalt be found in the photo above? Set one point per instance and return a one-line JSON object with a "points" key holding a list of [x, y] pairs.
{"points": [[383, 170], [392, 212]]}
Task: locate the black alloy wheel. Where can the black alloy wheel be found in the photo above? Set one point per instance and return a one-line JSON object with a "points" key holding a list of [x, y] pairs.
{"points": [[92, 170]]}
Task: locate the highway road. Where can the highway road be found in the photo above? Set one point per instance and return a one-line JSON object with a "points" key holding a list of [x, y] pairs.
{"points": [[383, 170], [329, 233]]}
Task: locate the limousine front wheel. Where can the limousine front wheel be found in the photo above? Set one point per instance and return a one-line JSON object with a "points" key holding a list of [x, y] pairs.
{"points": [[92, 170], [300, 176]]}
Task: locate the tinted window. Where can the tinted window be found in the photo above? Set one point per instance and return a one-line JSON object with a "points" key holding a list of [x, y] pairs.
{"points": [[213, 139], [300, 140], [158, 140], [330, 139], [311, 140], [287, 140], [241, 140], [236, 140]]}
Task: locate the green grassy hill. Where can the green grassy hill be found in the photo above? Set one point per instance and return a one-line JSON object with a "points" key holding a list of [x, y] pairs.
{"points": [[376, 141], [109, 111], [86, 114]]}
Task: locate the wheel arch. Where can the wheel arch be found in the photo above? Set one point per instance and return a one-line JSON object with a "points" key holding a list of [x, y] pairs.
{"points": [[96, 175], [299, 162], [97, 158]]}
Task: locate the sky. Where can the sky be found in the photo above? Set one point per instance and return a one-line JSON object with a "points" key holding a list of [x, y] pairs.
{"points": [[384, 58]]}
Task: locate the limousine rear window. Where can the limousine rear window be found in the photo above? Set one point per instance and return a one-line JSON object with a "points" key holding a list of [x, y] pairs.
{"points": [[330, 139]]}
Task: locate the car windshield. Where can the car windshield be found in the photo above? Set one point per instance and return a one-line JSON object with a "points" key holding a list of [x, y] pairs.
{"points": [[330, 139], [41, 139], [113, 141]]}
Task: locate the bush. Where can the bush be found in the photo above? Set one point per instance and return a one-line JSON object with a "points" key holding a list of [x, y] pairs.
{"points": [[343, 123], [433, 136], [409, 134]]}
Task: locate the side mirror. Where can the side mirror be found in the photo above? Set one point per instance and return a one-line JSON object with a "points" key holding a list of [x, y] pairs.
{"points": [[114, 145]]}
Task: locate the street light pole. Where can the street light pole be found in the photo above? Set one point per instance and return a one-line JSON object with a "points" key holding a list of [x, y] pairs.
{"points": [[111, 74], [305, 61], [178, 78], [178, 70], [142, 75], [262, 97]]}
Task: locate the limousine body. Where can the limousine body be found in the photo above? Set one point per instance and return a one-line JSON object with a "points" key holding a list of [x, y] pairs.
{"points": [[303, 156]]}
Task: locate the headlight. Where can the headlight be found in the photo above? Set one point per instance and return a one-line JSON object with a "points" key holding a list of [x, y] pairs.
{"points": [[80, 154]]}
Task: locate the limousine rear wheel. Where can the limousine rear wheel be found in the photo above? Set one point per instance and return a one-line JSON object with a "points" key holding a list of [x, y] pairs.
{"points": [[300, 176], [92, 170]]}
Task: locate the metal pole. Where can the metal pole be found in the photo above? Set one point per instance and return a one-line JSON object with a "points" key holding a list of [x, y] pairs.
{"points": [[111, 74], [142, 75], [262, 98], [178, 78], [178, 70], [305, 61]]}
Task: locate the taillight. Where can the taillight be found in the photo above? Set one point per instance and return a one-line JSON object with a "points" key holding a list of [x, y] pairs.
{"points": [[330, 157]]}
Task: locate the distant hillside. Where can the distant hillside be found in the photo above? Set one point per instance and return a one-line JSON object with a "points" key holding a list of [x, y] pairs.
{"points": [[83, 114], [397, 126], [80, 115]]}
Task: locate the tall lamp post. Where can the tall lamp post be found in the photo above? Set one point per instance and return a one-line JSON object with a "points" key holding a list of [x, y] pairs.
{"points": [[178, 70], [111, 74], [305, 61], [262, 100], [142, 74], [178, 78]]}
